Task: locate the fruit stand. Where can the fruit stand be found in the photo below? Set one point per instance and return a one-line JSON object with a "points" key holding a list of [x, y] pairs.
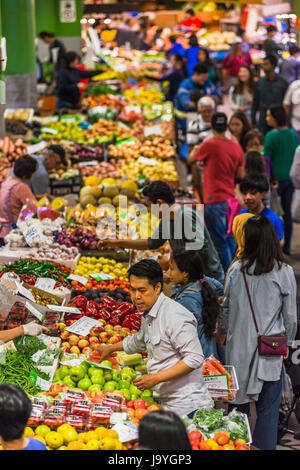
{"points": [[54, 269]]}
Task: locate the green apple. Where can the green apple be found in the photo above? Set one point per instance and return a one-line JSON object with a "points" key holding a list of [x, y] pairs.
{"points": [[68, 381], [146, 393], [126, 377], [116, 374], [135, 391], [147, 399], [94, 387], [63, 371], [92, 370], [98, 379], [135, 397], [84, 384], [126, 393], [107, 364], [124, 384], [129, 371], [110, 386], [77, 373], [108, 376], [85, 367]]}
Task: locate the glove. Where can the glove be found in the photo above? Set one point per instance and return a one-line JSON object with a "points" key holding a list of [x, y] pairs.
{"points": [[32, 329]]}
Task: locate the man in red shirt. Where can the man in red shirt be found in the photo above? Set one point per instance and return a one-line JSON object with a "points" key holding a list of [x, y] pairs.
{"points": [[191, 21], [223, 162]]}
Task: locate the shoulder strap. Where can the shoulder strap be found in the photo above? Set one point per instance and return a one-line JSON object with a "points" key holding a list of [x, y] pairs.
{"points": [[249, 298]]}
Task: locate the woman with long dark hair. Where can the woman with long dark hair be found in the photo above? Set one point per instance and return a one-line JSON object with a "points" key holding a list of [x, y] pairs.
{"points": [[163, 430], [204, 59], [272, 291], [198, 294], [239, 126], [241, 94]]}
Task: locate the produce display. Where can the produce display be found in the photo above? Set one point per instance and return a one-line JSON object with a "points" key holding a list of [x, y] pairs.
{"points": [[156, 147], [54, 251], [156, 170], [48, 269], [11, 151], [91, 265], [102, 170], [97, 292], [87, 152]]}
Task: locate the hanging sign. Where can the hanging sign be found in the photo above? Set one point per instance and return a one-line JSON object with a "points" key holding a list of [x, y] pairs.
{"points": [[67, 11]]}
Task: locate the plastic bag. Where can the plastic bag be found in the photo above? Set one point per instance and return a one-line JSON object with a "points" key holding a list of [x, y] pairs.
{"points": [[7, 300], [286, 392]]}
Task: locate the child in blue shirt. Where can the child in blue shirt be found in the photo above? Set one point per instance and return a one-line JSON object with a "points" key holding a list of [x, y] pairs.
{"points": [[254, 189]]}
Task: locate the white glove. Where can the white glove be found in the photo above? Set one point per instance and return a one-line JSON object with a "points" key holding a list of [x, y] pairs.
{"points": [[32, 329]]}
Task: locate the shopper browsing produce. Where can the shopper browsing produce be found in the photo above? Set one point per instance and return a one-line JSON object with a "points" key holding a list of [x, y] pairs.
{"points": [[169, 334], [272, 289], [163, 430], [15, 409], [15, 193], [57, 49], [179, 219], [68, 80], [198, 294]]}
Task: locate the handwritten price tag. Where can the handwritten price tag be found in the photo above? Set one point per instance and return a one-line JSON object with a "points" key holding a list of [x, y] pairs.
{"points": [[45, 283], [101, 276], [81, 279], [34, 311], [83, 326], [127, 431], [32, 233], [61, 308], [25, 292], [153, 130]]}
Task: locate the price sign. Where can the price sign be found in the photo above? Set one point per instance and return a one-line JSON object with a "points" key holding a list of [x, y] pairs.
{"points": [[217, 382], [34, 311], [83, 326], [36, 357], [45, 283], [43, 384], [153, 130], [73, 362], [25, 292], [32, 233], [81, 279], [127, 431], [62, 308], [136, 109], [147, 161], [32, 149], [101, 276], [48, 130], [91, 163]]}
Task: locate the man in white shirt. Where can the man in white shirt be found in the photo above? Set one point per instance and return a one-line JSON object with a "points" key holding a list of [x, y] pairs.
{"points": [[169, 333]]}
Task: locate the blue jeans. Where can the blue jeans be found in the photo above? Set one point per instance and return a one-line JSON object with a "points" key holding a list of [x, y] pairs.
{"points": [[216, 222], [285, 191], [267, 409]]}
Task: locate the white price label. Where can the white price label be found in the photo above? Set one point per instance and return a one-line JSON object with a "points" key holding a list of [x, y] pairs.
{"points": [[81, 279], [62, 308], [25, 292], [83, 326], [217, 382], [153, 130], [117, 418], [136, 109], [32, 149], [147, 161], [72, 362], [44, 338], [127, 431], [45, 283], [43, 384], [34, 311], [91, 163], [36, 357], [32, 233], [101, 276], [48, 130]]}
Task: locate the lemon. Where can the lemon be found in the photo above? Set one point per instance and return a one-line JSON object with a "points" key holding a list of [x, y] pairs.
{"points": [[28, 432]]}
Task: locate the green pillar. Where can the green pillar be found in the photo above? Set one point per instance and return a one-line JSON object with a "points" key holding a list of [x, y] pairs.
{"points": [[18, 23], [2, 92]]}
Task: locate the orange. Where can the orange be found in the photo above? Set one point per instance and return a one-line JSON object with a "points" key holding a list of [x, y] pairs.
{"points": [[91, 436], [74, 445], [112, 434]]}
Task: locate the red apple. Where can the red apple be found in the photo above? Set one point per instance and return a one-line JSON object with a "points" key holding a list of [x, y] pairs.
{"points": [[133, 332], [95, 345], [118, 328], [130, 404], [83, 343], [65, 344], [83, 337], [64, 334], [104, 337], [87, 350], [108, 328], [73, 340], [75, 350], [113, 340], [139, 404], [65, 349], [96, 331], [92, 338], [119, 337]]}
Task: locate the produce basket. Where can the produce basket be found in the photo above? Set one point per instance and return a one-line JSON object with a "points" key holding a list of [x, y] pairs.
{"points": [[219, 386]]}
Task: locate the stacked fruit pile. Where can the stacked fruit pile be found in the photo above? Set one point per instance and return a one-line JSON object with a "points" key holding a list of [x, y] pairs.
{"points": [[91, 265]]}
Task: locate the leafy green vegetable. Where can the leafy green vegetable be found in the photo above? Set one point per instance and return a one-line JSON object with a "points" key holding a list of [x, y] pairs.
{"points": [[48, 357], [208, 420], [28, 345], [237, 429]]}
